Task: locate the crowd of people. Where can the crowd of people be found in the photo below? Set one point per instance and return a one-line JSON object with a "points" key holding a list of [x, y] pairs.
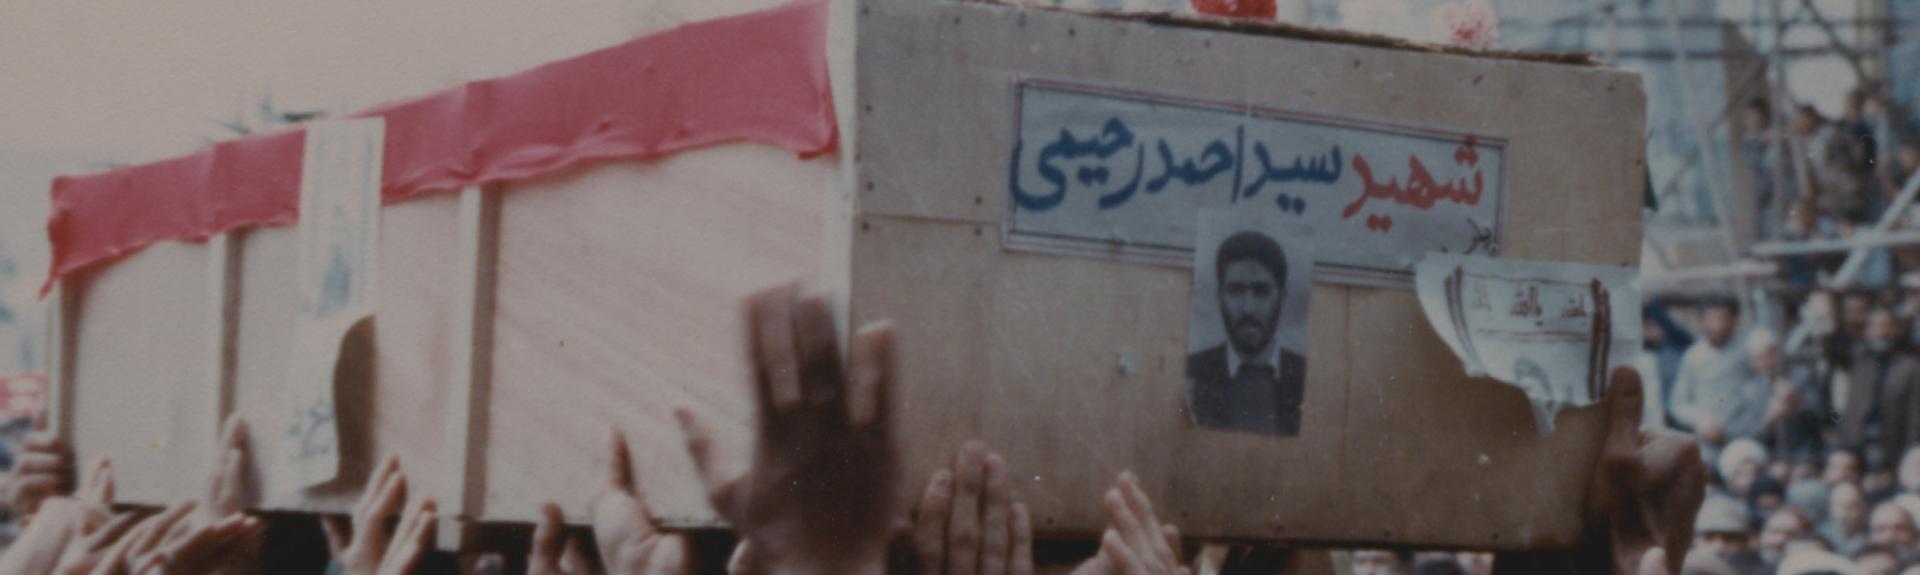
{"points": [[1813, 437], [1815, 177], [814, 500]]}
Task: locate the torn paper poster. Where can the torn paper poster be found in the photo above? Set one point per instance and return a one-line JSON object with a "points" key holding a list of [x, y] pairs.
{"points": [[339, 235], [1554, 330]]}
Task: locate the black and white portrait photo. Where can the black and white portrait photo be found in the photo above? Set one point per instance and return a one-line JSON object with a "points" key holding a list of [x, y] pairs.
{"points": [[1246, 332]]}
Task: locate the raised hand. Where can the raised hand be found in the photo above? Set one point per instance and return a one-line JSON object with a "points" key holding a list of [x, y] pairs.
{"points": [[629, 541], [373, 546], [818, 497], [967, 522], [145, 544], [554, 552], [222, 501], [1647, 488], [1135, 543], [86, 546], [1641, 501], [43, 469], [206, 547]]}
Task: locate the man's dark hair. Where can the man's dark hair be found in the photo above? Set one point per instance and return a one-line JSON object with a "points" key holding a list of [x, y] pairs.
{"points": [[1759, 104], [1729, 303], [1252, 246]]}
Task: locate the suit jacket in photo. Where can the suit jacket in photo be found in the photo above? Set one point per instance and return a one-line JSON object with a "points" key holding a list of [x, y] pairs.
{"points": [[1898, 407], [1271, 406]]}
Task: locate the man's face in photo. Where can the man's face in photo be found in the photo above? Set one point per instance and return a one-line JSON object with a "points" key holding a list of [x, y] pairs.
{"points": [[1250, 299]]}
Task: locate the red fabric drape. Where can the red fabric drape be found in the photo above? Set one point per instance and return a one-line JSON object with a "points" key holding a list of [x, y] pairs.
{"points": [[759, 77]]}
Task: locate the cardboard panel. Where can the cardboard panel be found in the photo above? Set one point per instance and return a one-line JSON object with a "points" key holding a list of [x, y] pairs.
{"points": [[1074, 365]]}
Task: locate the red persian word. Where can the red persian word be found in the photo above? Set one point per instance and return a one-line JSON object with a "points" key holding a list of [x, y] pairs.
{"points": [[1421, 190]]}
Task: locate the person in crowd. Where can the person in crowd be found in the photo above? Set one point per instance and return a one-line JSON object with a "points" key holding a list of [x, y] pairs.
{"points": [[1664, 343], [1757, 149], [1846, 525], [1908, 475], [1809, 497], [1816, 562], [1765, 498], [1858, 125], [1803, 223], [1891, 526], [1739, 465], [1856, 306], [1711, 384], [1723, 531], [1381, 562], [1879, 409], [1781, 527], [1806, 467], [1836, 161], [1876, 560], [1791, 420], [1807, 542], [1843, 466]]}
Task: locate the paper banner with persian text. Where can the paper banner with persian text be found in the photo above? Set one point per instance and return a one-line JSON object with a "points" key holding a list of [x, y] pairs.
{"points": [[1110, 173], [1555, 330], [339, 233]]}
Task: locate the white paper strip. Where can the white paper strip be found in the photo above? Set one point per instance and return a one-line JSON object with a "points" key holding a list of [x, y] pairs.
{"points": [[339, 234], [1554, 330]]}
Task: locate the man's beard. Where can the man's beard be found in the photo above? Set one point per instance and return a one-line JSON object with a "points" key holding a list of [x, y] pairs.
{"points": [[1261, 334]]}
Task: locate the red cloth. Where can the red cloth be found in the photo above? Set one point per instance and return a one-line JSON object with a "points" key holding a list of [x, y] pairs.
{"points": [[759, 77], [1260, 9]]}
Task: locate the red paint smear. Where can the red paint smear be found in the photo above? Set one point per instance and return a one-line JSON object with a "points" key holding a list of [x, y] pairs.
{"points": [[1259, 9], [759, 77]]}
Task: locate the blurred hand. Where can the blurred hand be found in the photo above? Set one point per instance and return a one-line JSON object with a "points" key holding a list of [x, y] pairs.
{"points": [[98, 551], [554, 552], [60, 522], [1135, 543], [40, 547], [87, 547], [206, 547], [141, 542], [629, 541], [967, 522], [817, 498], [223, 500], [374, 545], [1647, 487], [43, 469]]}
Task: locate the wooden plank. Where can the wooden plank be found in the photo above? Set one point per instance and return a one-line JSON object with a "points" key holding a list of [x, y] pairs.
{"points": [[618, 299], [139, 379], [60, 352], [394, 384], [470, 360], [223, 293], [1074, 366]]}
